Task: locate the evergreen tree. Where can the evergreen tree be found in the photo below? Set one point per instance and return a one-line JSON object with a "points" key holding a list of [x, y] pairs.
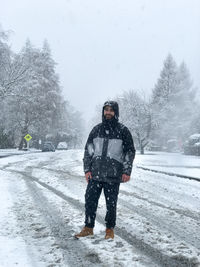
{"points": [[162, 105], [36, 104], [173, 101], [5, 62], [184, 103]]}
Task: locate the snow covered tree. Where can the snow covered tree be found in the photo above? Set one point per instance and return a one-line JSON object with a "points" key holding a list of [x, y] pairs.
{"points": [[195, 120], [184, 103], [12, 68], [162, 107], [172, 103], [22, 104], [135, 113], [5, 62], [49, 94], [71, 127], [36, 104], [6, 74], [97, 118]]}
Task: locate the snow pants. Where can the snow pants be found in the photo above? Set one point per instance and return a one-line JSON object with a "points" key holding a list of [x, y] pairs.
{"points": [[93, 192]]}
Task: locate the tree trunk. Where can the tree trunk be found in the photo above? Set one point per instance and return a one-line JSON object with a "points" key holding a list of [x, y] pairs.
{"points": [[23, 141], [141, 150]]}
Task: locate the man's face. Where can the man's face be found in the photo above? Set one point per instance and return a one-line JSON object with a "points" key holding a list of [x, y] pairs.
{"points": [[108, 112]]}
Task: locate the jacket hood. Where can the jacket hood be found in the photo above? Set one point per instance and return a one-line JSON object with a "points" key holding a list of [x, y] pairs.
{"points": [[114, 106]]}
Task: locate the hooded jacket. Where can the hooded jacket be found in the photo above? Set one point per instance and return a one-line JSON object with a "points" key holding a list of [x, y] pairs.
{"points": [[109, 150]]}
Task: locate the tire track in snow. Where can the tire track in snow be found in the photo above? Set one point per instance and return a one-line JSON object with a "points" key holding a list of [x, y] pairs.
{"points": [[162, 223], [182, 212], [157, 256], [74, 253], [179, 232]]}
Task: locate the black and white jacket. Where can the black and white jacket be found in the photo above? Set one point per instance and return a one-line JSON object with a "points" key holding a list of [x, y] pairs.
{"points": [[109, 152]]}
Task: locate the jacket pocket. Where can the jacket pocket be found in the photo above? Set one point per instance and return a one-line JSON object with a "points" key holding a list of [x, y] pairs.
{"points": [[113, 168]]}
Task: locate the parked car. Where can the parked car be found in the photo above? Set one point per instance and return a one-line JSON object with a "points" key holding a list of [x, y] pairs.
{"points": [[173, 145], [192, 145], [48, 146], [62, 146], [153, 146]]}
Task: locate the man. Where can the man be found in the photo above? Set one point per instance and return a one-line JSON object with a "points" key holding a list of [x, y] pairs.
{"points": [[108, 159]]}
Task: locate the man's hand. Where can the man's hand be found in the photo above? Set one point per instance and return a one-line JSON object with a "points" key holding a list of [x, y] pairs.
{"points": [[88, 176], [125, 178]]}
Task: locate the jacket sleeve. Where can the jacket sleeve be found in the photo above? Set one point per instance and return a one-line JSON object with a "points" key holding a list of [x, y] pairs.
{"points": [[129, 152], [89, 152]]}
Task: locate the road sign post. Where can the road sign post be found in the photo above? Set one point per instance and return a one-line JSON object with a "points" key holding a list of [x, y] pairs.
{"points": [[28, 137]]}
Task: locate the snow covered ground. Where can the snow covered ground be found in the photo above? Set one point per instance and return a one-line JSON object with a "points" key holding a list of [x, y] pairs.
{"points": [[42, 206], [10, 152], [171, 162]]}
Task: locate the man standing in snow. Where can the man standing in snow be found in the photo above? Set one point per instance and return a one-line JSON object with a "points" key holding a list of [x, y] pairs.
{"points": [[108, 159]]}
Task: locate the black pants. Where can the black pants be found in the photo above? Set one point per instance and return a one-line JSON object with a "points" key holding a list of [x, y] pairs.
{"points": [[92, 195]]}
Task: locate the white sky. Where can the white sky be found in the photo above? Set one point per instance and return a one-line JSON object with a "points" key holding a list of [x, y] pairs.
{"points": [[104, 47]]}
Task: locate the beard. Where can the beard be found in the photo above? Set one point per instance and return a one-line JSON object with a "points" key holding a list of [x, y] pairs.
{"points": [[108, 117]]}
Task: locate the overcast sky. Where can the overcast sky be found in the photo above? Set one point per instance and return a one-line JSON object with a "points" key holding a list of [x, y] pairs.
{"points": [[104, 47]]}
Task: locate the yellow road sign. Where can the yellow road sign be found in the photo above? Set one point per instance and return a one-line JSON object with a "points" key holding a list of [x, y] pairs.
{"points": [[28, 137]]}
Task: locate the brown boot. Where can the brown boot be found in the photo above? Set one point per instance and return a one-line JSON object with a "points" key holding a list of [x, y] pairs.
{"points": [[86, 231], [109, 233]]}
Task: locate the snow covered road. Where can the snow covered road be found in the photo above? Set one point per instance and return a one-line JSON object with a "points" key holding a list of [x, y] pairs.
{"points": [[158, 221]]}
